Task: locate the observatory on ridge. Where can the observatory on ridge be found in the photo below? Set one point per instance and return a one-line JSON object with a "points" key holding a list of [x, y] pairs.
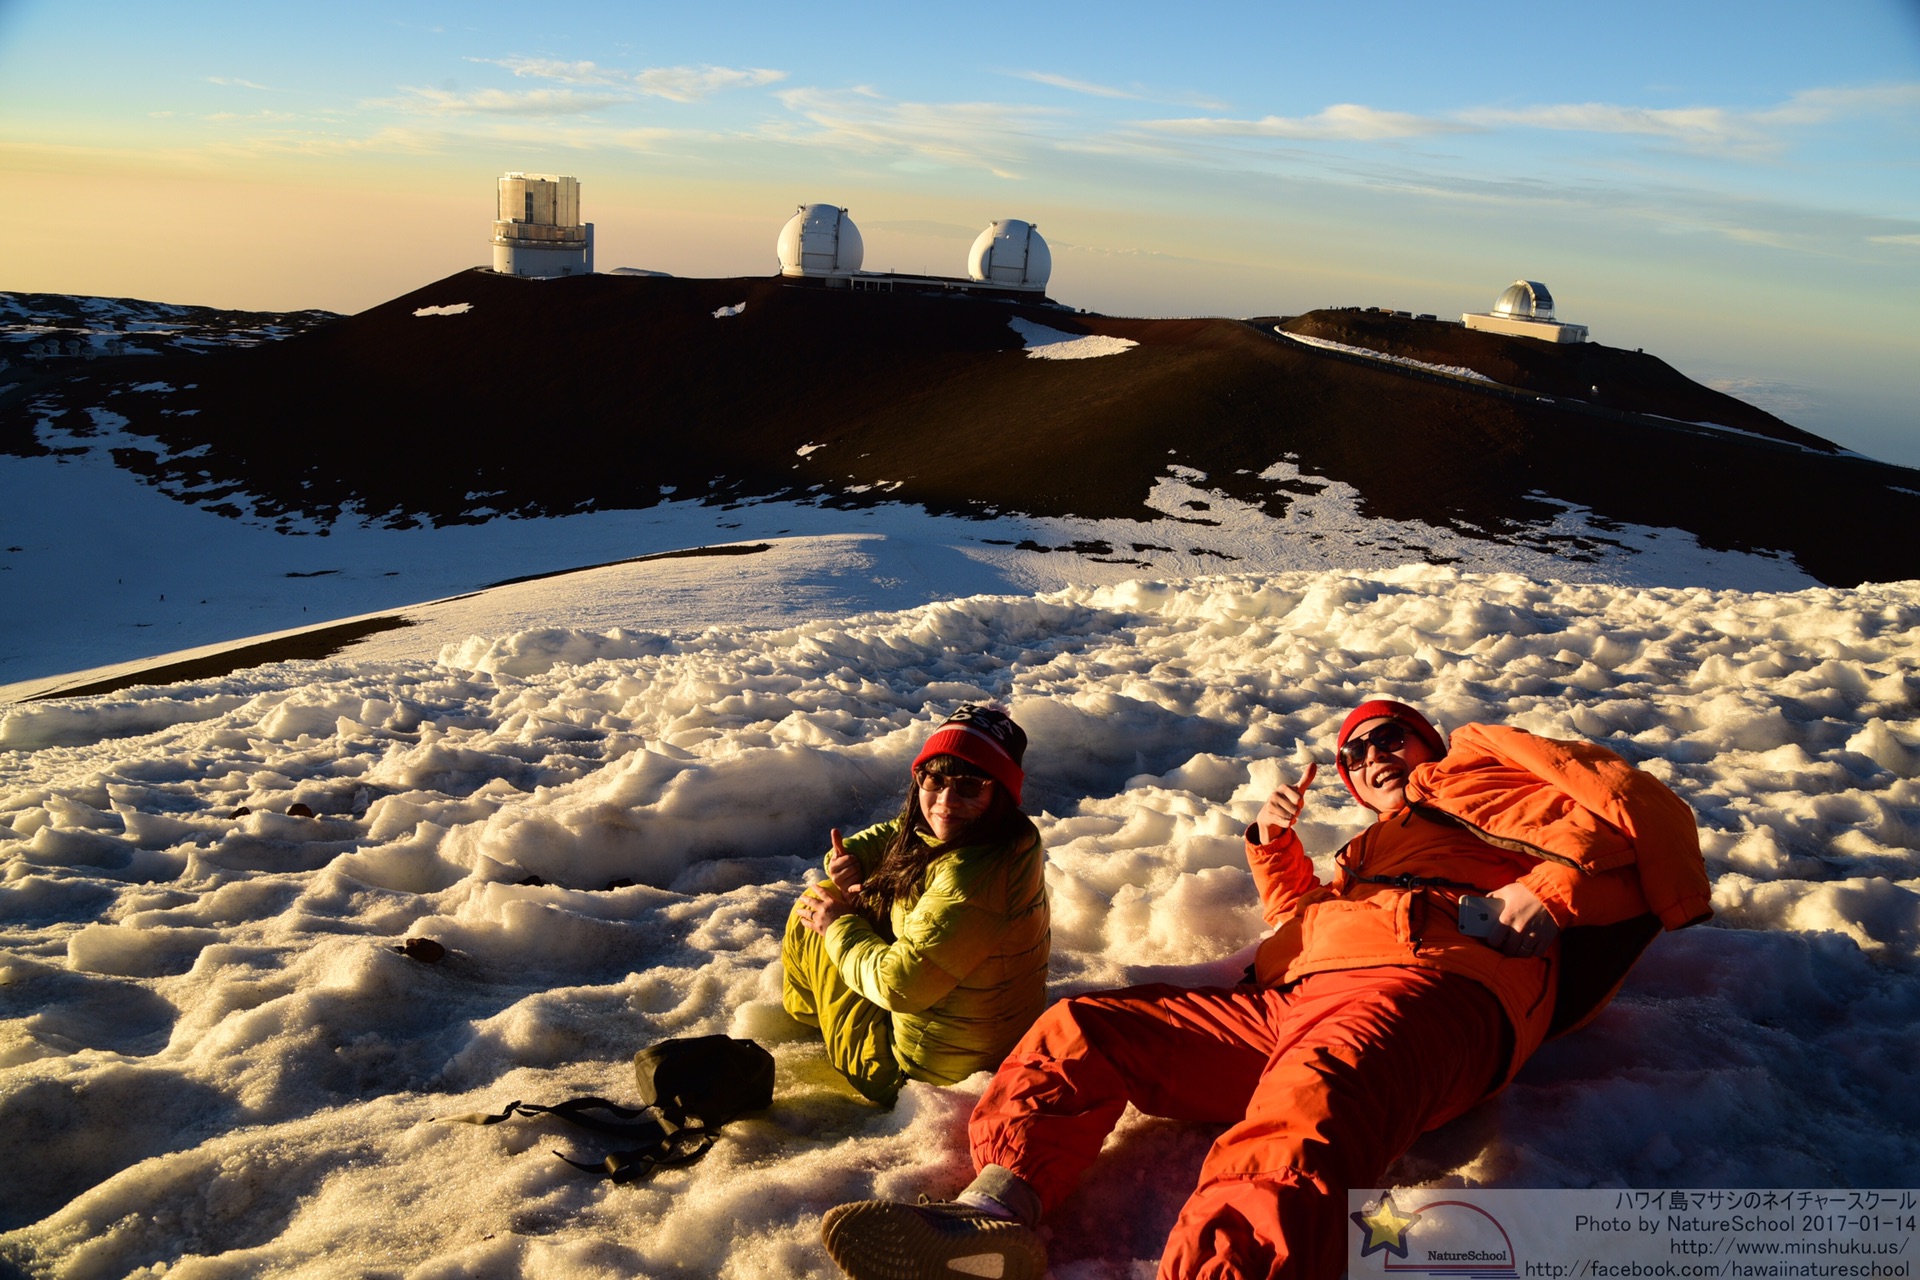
{"points": [[1012, 254], [821, 247], [537, 229], [1525, 310], [820, 242]]}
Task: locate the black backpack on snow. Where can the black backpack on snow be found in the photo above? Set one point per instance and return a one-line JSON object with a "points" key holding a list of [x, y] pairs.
{"points": [[689, 1087]]}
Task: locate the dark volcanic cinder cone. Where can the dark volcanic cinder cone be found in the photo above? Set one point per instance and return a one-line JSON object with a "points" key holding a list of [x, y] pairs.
{"points": [[597, 392]]}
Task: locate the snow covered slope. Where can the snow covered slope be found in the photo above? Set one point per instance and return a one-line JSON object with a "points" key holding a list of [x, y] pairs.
{"points": [[221, 1064], [104, 571]]}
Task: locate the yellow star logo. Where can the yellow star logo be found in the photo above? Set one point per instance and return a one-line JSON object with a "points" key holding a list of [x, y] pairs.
{"points": [[1385, 1227]]}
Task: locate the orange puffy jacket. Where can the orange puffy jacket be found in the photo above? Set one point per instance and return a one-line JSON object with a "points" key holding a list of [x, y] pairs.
{"points": [[1607, 848]]}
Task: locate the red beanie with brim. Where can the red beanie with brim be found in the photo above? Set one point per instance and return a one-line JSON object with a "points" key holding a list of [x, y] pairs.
{"points": [[987, 739], [1385, 709]]}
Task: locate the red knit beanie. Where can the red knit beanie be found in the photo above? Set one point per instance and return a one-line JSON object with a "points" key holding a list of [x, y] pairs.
{"points": [[987, 739], [1385, 709]]}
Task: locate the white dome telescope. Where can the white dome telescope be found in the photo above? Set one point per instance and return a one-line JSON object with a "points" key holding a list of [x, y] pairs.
{"points": [[820, 240], [1525, 300], [1525, 310], [1011, 252]]}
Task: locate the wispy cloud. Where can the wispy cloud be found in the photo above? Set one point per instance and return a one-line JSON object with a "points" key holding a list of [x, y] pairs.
{"points": [[1685, 124], [536, 102], [254, 117], [444, 135], [1341, 122], [1076, 86], [689, 84], [392, 140], [586, 73], [235, 82], [1001, 138], [924, 227], [679, 84], [1723, 130], [1135, 93], [1817, 106], [1757, 235], [1119, 251], [1911, 241], [1706, 127]]}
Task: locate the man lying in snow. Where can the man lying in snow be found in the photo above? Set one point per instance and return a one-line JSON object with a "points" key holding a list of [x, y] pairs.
{"points": [[1373, 1015]]}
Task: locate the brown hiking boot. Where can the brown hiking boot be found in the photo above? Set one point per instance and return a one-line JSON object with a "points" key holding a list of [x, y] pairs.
{"points": [[932, 1240]]}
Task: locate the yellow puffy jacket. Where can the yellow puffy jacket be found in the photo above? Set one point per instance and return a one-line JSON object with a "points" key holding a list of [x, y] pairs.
{"points": [[966, 973]]}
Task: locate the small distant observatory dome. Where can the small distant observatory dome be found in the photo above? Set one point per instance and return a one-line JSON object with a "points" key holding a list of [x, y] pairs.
{"points": [[1011, 252], [1525, 310], [1525, 300], [820, 240]]}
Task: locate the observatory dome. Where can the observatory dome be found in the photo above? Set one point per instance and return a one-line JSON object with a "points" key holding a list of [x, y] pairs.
{"points": [[820, 240], [1525, 300], [1011, 252]]}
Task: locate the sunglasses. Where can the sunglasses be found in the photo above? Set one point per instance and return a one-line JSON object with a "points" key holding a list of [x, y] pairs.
{"points": [[1387, 739], [963, 788]]}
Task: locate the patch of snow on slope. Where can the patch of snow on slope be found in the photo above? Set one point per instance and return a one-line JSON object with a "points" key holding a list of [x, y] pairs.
{"points": [[1457, 371], [1757, 435], [451, 309], [1051, 344]]}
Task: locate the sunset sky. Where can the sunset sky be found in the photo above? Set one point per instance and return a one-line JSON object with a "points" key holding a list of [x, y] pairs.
{"points": [[1734, 187]]}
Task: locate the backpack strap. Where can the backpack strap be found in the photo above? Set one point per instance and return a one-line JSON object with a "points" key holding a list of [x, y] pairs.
{"points": [[682, 1147], [578, 1111], [663, 1139]]}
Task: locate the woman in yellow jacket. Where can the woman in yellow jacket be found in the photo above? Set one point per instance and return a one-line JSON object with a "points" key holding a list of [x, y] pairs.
{"points": [[923, 955]]}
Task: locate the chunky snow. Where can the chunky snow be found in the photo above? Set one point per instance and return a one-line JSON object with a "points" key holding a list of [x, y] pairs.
{"points": [[214, 1062]]}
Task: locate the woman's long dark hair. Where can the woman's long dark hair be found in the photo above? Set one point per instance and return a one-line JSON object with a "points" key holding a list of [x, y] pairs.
{"points": [[903, 868]]}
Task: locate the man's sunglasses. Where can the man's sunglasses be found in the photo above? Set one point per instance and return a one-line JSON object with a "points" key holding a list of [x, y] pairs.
{"points": [[1387, 739], [963, 788]]}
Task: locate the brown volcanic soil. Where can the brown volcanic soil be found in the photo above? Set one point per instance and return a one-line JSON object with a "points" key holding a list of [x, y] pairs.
{"points": [[604, 391]]}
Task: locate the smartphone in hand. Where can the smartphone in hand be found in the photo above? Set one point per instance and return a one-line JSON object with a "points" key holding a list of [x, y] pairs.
{"points": [[1478, 915]]}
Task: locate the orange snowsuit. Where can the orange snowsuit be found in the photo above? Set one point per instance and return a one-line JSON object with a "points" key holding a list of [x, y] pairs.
{"points": [[1372, 1018]]}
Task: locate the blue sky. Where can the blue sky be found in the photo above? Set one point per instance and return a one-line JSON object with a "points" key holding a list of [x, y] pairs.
{"points": [[1734, 187]]}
